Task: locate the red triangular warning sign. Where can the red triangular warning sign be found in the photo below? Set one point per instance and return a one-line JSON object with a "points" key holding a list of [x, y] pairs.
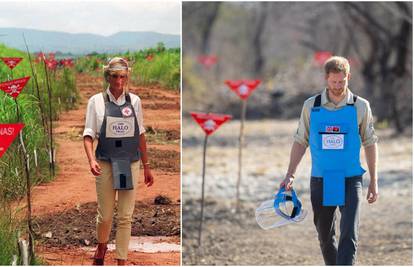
{"points": [[210, 122], [14, 87], [8, 133], [243, 88], [11, 62], [320, 57], [207, 60]]}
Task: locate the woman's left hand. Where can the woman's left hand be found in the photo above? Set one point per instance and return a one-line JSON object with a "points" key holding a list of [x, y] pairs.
{"points": [[149, 179]]}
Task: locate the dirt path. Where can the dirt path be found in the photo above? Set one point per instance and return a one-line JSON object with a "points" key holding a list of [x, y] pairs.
{"points": [[64, 209], [385, 236]]}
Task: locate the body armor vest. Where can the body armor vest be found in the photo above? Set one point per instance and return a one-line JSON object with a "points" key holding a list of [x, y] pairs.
{"points": [[118, 141], [335, 149]]}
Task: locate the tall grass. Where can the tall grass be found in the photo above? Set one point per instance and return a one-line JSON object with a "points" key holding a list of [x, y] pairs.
{"points": [[64, 97], [8, 236], [91, 64], [152, 66], [35, 137], [163, 69], [8, 242], [12, 183]]}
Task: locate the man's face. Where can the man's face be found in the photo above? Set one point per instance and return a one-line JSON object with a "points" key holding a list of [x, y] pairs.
{"points": [[337, 83]]}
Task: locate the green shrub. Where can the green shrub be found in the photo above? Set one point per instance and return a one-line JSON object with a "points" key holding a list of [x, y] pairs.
{"points": [[163, 69], [8, 237]]}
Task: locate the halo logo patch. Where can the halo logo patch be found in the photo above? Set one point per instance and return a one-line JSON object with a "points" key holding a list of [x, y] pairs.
{"points": [[332, 141], [120, 127]]}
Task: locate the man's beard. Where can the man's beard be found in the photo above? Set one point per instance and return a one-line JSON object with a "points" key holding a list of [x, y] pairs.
{"points": [[336, 92]]}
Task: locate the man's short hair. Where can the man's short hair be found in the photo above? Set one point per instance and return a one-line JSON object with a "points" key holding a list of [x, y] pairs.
{"points": [[336, 64]]}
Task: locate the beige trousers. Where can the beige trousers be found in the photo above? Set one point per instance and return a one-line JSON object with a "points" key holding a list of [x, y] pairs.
{"points": [[106, 204]]}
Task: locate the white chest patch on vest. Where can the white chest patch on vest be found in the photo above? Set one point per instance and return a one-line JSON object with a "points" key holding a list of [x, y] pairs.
{"points": [[332, 141], [119, 127]]}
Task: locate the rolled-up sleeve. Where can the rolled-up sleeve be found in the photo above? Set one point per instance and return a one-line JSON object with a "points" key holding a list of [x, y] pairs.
{"points": [[302, 132], [91, 120], [367, 131], [140, 116]]}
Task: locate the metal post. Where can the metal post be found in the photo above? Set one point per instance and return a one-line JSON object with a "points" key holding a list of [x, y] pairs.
{"points": [[49, 90], [202, 192], [241, 142], [42, 112], [28, 184]]}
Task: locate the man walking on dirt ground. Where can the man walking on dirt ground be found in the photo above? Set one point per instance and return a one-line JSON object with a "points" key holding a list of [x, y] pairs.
{"points": [[334, 123]]}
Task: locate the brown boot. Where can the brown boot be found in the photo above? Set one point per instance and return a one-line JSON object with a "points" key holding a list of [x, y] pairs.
{"points": [[98, 258], [121, 262]]}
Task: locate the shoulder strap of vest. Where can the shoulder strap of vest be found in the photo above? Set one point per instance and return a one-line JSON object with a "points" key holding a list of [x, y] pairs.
{"points": [[105, 96], [317, 102], [355, 99], [128, 98], [318, 98]]}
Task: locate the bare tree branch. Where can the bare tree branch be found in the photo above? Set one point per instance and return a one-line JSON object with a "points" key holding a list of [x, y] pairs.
{"points": [[368, 17]]}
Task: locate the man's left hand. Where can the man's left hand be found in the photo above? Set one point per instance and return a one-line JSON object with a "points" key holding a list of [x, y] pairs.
{"points": [[372, 194], [149, 179]]}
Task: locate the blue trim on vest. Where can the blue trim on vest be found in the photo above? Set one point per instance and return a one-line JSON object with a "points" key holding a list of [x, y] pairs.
{"points": [[334, 165]]}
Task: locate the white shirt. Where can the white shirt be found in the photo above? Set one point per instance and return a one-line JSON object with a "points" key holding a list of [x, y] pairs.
{"points": [[96, 110]]}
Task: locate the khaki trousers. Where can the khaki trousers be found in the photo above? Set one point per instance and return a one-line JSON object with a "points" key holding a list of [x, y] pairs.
{"points": [[106, 204]]}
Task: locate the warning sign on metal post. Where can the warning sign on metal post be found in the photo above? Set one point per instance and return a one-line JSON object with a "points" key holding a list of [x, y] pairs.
{"points": [[210, 122], [11, 62], [8, 133], [14, 87], [243, 88], [320, 57], [207, 60]]}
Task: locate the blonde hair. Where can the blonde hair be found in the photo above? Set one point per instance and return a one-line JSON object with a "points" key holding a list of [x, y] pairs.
{"points": [[337, 64], [117, 64]]}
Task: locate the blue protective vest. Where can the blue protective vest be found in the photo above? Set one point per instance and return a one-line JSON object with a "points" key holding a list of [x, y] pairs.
{"points": [[335, 146]]}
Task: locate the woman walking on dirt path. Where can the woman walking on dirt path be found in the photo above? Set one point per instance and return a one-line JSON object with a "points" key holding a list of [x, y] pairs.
{"points": [[115, 118]]}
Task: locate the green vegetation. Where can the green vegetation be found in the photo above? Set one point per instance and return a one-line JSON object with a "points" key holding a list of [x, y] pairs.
{"points": [[149, 66], [161, 136], [64, 96], [35, 135], [157, 65], [8, 239]]}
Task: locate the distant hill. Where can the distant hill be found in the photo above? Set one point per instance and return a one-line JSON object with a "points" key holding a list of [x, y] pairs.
{"points": [[84, 43]]}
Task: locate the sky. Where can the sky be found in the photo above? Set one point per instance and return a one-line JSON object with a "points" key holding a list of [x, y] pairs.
{"points": [[88, 16]]}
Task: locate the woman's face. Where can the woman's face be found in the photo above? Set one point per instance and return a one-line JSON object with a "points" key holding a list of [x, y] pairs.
{"points": [[117, 80]]}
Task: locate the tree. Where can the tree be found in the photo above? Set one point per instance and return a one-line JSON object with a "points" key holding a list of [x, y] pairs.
{"points": [[388, 29], [202, 17]]}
